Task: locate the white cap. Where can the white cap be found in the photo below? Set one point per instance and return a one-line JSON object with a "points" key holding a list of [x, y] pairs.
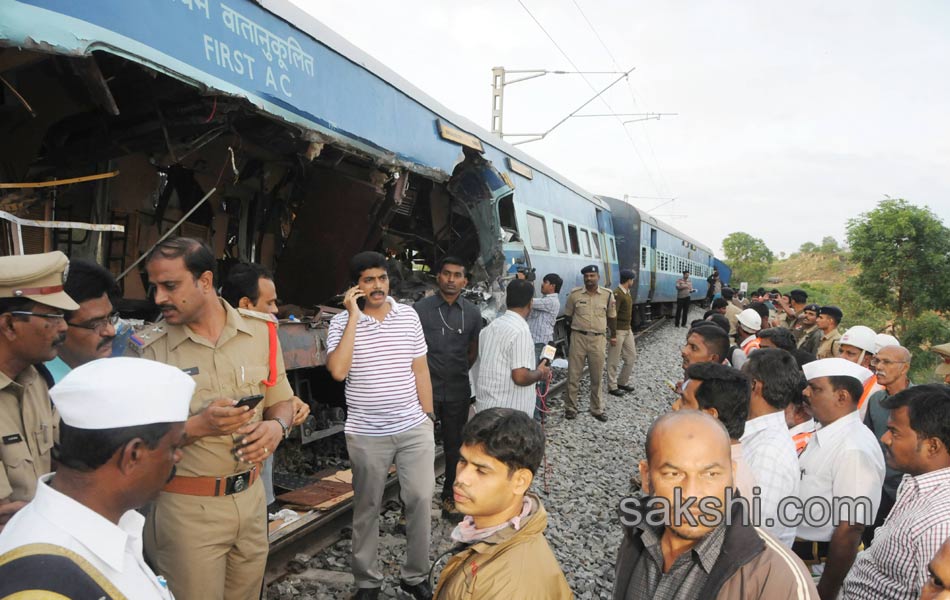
{"points": [[883, 340], [835, 367], [861, 337], [123, 392], [750, 320]]}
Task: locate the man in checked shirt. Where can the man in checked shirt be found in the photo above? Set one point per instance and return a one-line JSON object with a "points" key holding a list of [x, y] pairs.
{"points": [[916, 442]]}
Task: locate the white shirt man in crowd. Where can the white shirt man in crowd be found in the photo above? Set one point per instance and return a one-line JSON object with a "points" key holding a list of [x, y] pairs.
{"points": [[123, 426], [506, 355], [842, 460], [917, 442], [858, 345], [766, 445], [748, 324], [380, 351]]}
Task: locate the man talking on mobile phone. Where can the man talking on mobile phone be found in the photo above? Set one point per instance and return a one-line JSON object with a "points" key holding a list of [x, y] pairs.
{"points": [[207, 531], [380, 351]]}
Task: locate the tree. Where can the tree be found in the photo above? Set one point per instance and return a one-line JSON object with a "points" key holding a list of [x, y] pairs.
{"points": [[748, 256], [808, 248], [829, 245], [904, 253]]}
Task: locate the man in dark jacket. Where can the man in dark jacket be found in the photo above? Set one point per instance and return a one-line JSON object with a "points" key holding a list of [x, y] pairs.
{"points": [[697, 553]]}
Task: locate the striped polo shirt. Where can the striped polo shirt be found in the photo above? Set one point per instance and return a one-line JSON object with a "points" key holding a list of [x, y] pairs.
{"points": [[381, 396], [504, 345]]}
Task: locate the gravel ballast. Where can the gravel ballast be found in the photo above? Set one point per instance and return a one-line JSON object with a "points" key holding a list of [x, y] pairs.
{"points": [[589, 469]]}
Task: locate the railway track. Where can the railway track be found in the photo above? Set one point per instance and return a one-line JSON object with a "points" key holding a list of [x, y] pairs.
{"points": [[324, 529]]}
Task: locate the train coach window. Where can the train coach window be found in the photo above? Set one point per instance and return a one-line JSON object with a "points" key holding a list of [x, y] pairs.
{"points": [[595, 244], [575, 244], [538, 232], [585, 242], [613, 250], [560, 241], [643, 256]]}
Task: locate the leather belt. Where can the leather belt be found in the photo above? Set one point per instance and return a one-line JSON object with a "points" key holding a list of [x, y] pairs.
{"points": [[587, 332], [212, 486]]}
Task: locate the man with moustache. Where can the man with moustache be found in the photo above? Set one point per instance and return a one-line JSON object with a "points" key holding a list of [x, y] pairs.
{"points": [[451, 325], [917, 443], [891, 367], [592, 312], [687, 557], [379, 349], [81, 536], [32, 329], [250, 286], [91, 328], [207, 530]]}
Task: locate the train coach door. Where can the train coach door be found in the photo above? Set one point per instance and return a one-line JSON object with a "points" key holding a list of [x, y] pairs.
{"points": [[602, 242], [516, 253], [653, 265]]}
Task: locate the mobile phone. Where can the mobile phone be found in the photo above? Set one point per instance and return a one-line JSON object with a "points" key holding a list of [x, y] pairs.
{"points": [[250, 401]]}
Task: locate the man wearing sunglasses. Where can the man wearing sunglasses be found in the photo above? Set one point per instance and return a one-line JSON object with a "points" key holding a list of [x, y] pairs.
{"points": [[91, 328], [32, 330]]}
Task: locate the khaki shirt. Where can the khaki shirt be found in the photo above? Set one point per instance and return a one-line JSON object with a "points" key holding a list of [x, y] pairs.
{"points": [[29, 425], [732, 313], [234, 367], [829, 345], [589, 312]]}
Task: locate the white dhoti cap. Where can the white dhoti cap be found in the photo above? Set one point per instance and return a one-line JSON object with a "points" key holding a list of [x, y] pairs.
{"points": [[835, 367], [123, 392]]}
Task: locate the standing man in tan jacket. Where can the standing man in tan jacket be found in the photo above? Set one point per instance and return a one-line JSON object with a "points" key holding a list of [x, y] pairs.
{"points": [[505, 554], [592, 313]]}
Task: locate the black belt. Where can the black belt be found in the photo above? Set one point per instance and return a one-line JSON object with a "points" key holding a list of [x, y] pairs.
{"points": [[587, 332]]}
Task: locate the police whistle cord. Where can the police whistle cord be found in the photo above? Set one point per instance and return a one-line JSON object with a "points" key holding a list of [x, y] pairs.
{"points": [[545, 385]]}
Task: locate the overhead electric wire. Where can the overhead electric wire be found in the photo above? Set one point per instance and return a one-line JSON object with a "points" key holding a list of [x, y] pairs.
{"points": [[591, 86], [629, 87]]}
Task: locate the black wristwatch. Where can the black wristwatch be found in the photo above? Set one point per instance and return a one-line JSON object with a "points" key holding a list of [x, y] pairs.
{"points": [[283, 426]]}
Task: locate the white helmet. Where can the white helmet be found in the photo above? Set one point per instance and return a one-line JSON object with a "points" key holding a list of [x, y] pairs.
{"points": [[883, 340], [750, 320], [861, 337]]}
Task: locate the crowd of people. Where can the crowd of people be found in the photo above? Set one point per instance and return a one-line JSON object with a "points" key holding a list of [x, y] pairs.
{"points": [[796, 461]]}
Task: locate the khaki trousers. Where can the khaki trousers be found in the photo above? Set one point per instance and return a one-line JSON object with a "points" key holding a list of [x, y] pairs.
{"points": [[626, 349], [413, 451], [210, 547], [593, 349]]}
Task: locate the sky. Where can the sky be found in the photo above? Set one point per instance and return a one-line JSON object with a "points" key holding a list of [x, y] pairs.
{"points": [[791, 117]]}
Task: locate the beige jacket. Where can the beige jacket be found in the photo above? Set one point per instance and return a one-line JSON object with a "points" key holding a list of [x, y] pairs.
{"points": [[516, 565]]}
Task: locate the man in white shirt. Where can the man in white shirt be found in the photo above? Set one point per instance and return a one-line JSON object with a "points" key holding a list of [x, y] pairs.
{"points": [[766, 445], [841, 461], [506, 354], [123, 425]]}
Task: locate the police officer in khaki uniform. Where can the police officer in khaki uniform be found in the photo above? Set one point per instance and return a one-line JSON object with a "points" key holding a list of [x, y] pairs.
{"points": [[828, 319], [32, 328], [592, 311], [207, 531]]}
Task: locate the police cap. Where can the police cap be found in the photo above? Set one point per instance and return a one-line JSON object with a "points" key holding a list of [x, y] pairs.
{"points": [[590, 269], [832, 311], [37, 277]]}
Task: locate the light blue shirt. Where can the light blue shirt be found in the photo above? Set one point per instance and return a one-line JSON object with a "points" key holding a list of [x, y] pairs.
{"points": [[58, 369]]}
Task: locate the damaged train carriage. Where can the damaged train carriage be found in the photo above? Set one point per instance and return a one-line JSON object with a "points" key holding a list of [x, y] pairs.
{"points": [[254, 127]]}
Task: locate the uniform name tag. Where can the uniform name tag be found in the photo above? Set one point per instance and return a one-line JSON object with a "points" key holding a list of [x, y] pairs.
{"points": [[16, 438], [192, 371]]}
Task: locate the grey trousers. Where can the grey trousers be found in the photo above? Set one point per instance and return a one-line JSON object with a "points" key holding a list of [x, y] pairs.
{"points": [[413, 451], [267, 478]]}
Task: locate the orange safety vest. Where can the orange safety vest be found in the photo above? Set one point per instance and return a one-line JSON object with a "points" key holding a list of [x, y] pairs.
{"points": [[755, 344], [801, 440], [870, 386]]}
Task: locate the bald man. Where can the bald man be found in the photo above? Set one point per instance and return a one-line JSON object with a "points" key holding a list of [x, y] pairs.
{"points": [[938, 585], [891, 366], [688, 456]]}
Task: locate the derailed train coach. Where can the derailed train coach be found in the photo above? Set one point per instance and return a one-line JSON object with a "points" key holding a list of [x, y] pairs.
{"points": [[254, 127]]}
